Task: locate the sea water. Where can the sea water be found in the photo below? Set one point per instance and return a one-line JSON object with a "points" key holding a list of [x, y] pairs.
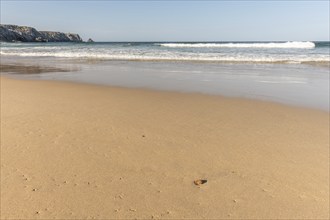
{"points": [[265, 52], [295, 73]]}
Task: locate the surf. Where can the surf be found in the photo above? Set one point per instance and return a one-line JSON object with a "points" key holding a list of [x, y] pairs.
{"points": [[289, 44]]}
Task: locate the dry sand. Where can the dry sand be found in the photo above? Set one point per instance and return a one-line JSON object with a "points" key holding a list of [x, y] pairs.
{"points": [[82, 151]]}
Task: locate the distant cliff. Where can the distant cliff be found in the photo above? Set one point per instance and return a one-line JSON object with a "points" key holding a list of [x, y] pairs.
{"points": [[13, 33]]}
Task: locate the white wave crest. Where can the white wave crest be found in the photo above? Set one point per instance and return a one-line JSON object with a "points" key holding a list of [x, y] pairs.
{"points": [[289, 44], [170, 57]]}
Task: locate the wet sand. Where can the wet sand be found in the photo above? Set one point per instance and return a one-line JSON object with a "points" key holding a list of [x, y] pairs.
{"points": [[73, 151], [29, 69]]}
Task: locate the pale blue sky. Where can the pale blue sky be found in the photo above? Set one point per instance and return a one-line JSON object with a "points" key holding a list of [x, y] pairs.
{"points": [[175, 20]]}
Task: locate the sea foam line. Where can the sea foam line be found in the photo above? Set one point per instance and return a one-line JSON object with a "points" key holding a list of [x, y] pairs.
{"points": [[87, 55], [289, 44]]}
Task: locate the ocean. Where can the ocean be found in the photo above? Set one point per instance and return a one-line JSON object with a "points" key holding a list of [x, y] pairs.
{"points": [[294, 73], [254, 52]]}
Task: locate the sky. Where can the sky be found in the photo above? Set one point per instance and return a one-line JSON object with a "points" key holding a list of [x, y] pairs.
{"points": [[175, 20]]}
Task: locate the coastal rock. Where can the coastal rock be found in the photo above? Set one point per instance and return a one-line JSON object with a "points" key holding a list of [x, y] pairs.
{"points": [[52, 36], [15, 33], [10, 33], [90, 40]]}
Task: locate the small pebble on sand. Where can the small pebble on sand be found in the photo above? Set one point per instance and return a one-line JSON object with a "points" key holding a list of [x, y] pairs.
{"points": [[199, 182]]}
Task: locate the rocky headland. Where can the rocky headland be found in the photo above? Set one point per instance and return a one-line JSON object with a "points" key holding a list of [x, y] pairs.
{"points": [[15, 33]]}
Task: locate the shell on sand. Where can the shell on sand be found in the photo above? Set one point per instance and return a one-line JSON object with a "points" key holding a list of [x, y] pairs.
{"points": [[199, 182]]}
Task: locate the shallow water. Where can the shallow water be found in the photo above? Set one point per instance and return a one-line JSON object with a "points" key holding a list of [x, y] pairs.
{"points": [[294, 84]]}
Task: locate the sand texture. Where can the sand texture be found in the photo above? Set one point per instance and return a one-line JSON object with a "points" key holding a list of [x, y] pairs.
{"points": [[81, 151]]}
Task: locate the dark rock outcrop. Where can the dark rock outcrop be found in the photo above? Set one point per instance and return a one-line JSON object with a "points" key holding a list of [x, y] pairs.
{"points": [[13, 33], [90, 40], [60, 37]]}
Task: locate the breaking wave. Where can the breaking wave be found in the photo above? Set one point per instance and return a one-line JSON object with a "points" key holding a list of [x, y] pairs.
{"points": [[289, 44], [171, 57], [152, 51]]}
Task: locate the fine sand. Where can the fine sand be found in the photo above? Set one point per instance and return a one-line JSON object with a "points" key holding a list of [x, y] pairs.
{"points": [[81, 151]]}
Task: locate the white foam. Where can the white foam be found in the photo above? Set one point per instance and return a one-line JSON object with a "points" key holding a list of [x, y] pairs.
{"points": [[170, 57], [289, 44]]}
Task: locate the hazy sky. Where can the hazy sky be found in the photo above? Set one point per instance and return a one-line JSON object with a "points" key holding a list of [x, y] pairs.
{"points": [[175, 20]]}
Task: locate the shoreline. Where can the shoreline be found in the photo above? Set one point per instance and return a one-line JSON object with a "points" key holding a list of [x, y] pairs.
{"points": [[75, 150], [18, 77], [290, 85], [317, 64]]}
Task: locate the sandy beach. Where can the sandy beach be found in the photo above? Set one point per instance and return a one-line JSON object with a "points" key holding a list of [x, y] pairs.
{"points": [[76, 151]]}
